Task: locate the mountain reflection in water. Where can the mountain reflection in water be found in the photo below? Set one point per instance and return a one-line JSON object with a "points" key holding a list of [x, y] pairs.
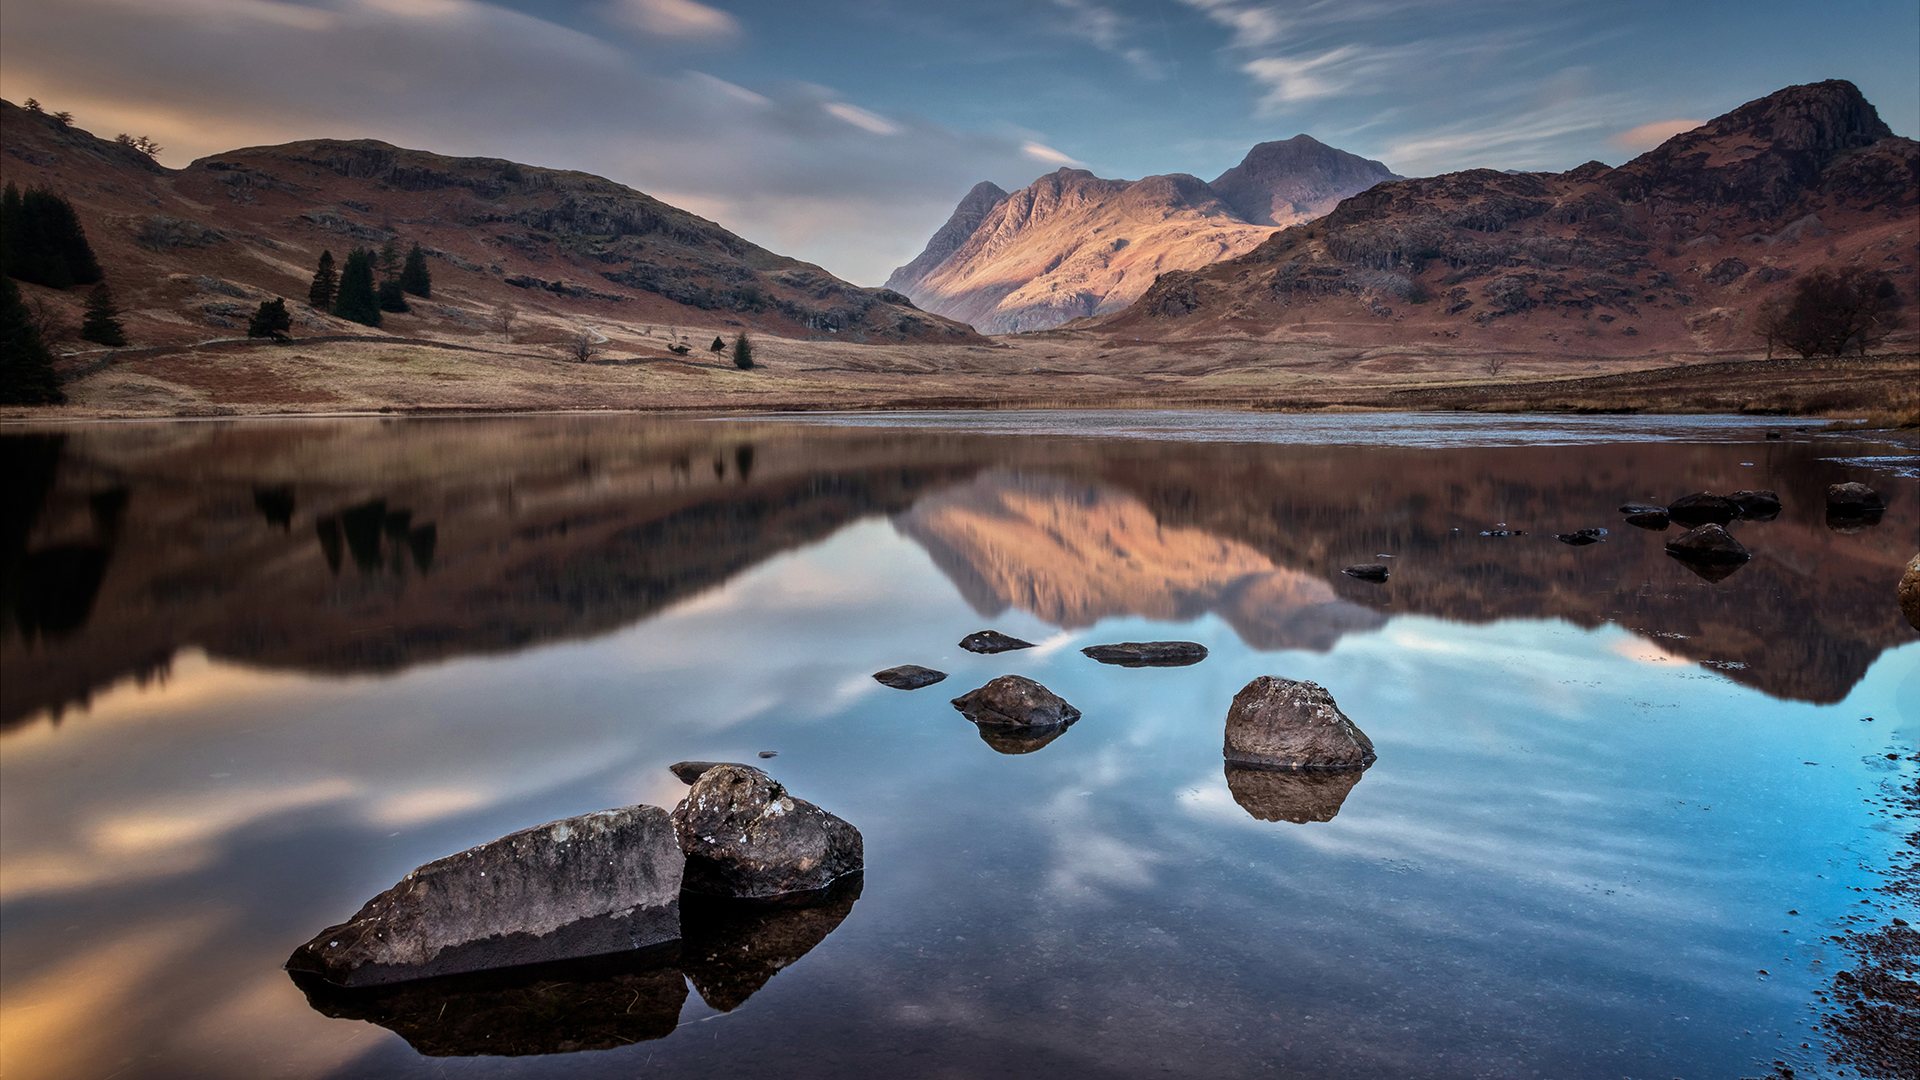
{"points": [[126, 544]]}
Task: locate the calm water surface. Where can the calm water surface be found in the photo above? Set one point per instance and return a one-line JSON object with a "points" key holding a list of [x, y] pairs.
{"points": [[255, 672]]}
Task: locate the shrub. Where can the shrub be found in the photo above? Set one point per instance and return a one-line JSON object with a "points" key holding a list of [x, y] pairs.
{"points": [[271, 320]]}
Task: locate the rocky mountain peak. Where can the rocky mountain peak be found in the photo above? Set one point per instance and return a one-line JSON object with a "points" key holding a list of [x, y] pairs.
{"points": [[985, 197], [1762, 154], [1294, 180]]}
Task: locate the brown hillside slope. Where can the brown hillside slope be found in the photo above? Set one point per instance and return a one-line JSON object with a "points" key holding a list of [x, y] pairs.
{"points": [[190, 251], [1672, 252]]}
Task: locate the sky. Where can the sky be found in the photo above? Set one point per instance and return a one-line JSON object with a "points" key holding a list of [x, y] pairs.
{"points": [[844, 131]]}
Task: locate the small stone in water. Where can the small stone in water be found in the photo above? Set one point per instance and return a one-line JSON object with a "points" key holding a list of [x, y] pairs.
{"points": [[769, 753]]}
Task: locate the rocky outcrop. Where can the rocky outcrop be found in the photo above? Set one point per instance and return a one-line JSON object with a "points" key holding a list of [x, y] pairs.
{"points": [[909, 677], [689, 772], [1148, 653], [1016, 701], [1288, 724], [1756, 505], [745, 836], [1702, 507], [992, 641], [1709, 543], [1296, 795], [1072, 245], [1909, 593], [1853, 498], [600, 883]]}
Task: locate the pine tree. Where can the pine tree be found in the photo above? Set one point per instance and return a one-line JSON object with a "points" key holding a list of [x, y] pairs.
{"points": [[414, 277], [357, 301], [101, 324], [271, 320], [389, 261], [45, 243], [326, 283], [26, 367], [392, 298], [717, 346], [742, 352]]}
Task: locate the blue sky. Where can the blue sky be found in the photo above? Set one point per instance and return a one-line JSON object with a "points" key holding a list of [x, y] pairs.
{"points": [[843, 131]]}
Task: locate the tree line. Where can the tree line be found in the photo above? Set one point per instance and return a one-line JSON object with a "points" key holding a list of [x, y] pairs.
{"points": [[350, 291]]}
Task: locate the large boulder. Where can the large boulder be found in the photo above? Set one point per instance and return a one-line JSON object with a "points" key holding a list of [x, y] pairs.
{"points": [[909, 677], [744, 836], [1853, 499], [992, 641], [1373, 571], [1701, 508], [1295, 795], [1708, 544], [599, 883], [1148, 653], [1016, 701], [1910, 593], [1756, 505], [1285, 724]]}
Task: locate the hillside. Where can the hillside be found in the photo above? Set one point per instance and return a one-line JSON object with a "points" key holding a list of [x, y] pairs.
{"points": [[1672, 252], [191, 251], [1072, 245]]}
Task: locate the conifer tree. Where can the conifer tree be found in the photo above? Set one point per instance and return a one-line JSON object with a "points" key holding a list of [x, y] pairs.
{"points": [[742, 352], [414, 276], [101, 324], [389, 261], [326, 283], [392, 298], [44, 242], [717, 346], [357, 301], [271, 320], [26, 367]]}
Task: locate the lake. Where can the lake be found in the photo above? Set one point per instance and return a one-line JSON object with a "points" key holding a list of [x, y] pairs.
{"points": [[255, 672]]}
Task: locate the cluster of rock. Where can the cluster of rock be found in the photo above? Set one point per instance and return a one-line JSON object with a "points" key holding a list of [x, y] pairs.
{"points": [[603, 883]]}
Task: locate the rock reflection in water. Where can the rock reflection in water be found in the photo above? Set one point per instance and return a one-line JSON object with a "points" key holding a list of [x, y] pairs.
{"points": [[560, 1008], [1296, 795], [733, 947], [1018, 738], [729, 950]]}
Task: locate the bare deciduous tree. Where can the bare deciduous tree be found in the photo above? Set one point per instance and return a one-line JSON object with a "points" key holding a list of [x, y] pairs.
{"points": [[1494, 365], [504, 316], [584, 346], [1832, 313]]}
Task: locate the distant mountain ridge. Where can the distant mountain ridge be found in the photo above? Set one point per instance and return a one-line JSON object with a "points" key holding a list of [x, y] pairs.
{"points": [[1672, 251], [1073, 245]]}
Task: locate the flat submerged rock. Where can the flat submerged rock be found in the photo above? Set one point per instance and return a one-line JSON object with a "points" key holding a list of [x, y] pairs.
{"points": [[992, 641], [909, 677], [1148, 653]]}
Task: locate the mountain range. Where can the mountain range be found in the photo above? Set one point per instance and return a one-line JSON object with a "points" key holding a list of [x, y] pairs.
{"points": [[1072, 245], [1673, 251]]}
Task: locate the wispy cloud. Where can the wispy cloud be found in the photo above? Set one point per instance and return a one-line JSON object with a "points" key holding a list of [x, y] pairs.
{"points": [[1513, 140], [1108, 30], [861, 118], [671, 18], [1043, 152]]}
